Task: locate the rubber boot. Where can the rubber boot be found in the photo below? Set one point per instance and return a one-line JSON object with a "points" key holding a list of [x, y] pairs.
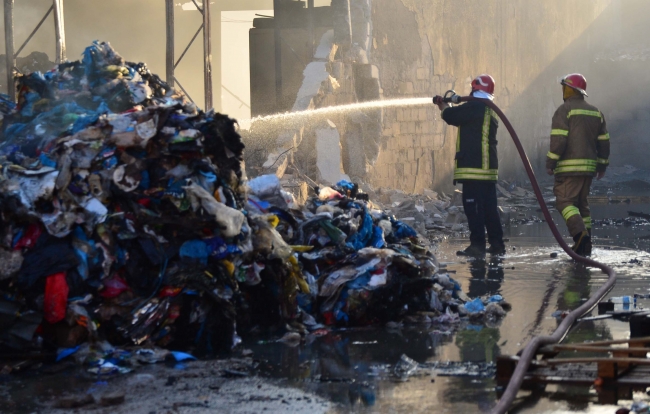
{"points": [[582, 246], [497, 249], [472, 251], [588, 245]]}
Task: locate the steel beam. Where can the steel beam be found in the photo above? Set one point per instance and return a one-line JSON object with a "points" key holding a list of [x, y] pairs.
{"points": [[169, 55], [38, 26], [59, 31], [9, 47], [216, 57], [277, 15], [207, 55], [238, 5], [188, 46]]}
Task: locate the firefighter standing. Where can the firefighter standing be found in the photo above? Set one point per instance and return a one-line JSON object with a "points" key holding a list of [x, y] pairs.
{"points": [[579, 150], [477, 166]]}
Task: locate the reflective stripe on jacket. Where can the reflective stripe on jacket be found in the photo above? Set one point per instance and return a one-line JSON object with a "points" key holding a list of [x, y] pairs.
{"points": [[476, 143], [579, 139]]}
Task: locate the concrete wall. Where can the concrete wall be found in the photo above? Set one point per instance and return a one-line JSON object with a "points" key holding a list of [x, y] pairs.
{"points": [[621, 79], [416, 48], [424, 48]]}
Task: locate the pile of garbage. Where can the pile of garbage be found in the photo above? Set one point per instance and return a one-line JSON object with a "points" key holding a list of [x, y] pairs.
{"points": [[126, 216]]}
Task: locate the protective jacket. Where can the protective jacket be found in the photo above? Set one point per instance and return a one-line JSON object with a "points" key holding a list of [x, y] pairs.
{"points": [[579, 139], [476, 142]]}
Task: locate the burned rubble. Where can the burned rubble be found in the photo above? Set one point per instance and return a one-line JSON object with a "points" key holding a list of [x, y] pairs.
{"points": [[127, 220]]}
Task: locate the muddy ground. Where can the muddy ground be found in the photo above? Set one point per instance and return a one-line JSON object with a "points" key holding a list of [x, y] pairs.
{"points": [[194, 387]]}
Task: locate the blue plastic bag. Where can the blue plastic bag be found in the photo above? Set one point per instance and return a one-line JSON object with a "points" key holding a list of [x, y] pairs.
{"points": [[360, 282], [182, 356], [195, 250], [495, 299], [46, 161], [401, 230], [67, 352], [219, 249], [475, 306], [362, 237], [378, 240], [345, 184]]}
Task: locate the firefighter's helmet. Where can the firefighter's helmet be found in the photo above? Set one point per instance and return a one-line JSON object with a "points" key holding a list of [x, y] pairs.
{"points": [[483, 83], [575, 81]]}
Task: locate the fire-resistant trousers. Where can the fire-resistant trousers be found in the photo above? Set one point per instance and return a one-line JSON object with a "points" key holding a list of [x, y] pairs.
{"points": [[571, 200], [480, 204]]}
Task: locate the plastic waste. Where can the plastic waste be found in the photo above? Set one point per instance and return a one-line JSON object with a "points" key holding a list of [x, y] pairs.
{"points": [[401, 230], [182, 356], [494, 311], [63, 354], [378, 278], [328, 193], [268, 188], [495, 299], [448, 317], [404, 368], [10, 263], [113, 287], [345, 184], [195, 251], [291, 339], [640, 407], [475, 306], [56, 298], [623, 299], [228, 218], [364, 233], [434, 302]]}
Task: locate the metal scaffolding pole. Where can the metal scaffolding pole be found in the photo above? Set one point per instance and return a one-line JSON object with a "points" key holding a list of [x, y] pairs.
{"points": [[215, 56], [278, 53], [59, 30], [207, 55], [9, 47], [169, 66], [31, 35], [211, 52]]}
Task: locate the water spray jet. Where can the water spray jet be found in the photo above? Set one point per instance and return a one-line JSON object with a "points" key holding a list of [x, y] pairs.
{"points": [[289, 117]]}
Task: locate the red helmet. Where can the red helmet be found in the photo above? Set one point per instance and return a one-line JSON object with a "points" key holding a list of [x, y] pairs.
{"points": [[483, 83], [575, 81]]}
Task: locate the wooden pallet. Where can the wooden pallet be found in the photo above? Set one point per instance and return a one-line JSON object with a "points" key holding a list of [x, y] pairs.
{"points": [[621, 368]]}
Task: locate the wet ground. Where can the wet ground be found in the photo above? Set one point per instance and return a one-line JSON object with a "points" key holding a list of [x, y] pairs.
{"points": [[351, 368]]}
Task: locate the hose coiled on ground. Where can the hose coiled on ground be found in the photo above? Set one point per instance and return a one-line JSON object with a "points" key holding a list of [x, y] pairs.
{"points": [[558, 335]]}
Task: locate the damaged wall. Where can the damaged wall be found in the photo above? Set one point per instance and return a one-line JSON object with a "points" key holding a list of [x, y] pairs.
{"points": [[412, 48], [424, 48]]}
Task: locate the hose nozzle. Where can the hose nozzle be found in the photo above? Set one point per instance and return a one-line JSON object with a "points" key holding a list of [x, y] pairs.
{"points": [[449, 97]]}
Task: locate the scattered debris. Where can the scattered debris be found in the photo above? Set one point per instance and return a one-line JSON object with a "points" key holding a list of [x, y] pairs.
{"points": [[75, 401], [115, 398], [462, 369], [404, 368]]}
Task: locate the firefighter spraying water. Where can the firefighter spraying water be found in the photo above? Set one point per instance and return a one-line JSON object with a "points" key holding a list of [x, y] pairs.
{"points": [[477, 166]]}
